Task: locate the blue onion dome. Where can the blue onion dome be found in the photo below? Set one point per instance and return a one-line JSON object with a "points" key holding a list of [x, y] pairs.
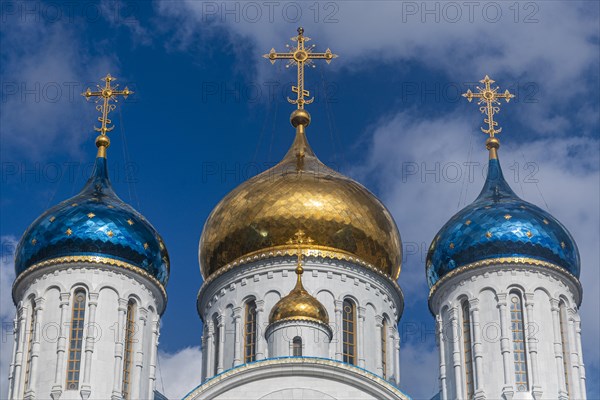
{"points": [[94, 226], [500, 228]]}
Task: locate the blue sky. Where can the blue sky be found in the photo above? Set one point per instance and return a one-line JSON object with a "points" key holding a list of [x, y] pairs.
{"points": [[209, 112]]}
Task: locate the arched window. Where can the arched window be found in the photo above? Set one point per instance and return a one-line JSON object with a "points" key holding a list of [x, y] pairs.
{"points": [[518, 336], [384, 330], [250, 332], [466, 332], [564, 339], [76, 340], [29, 334], [128, 354], [217, 339], [349, 331], [297, 346]]}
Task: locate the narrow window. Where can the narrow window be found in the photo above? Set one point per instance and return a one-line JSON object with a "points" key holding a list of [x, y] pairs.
{"points": [[250, 332], [349, 331], [297, 346], [29, 345], [518, 336], [217, 339], [76, 340], [128, 355], [564, 338], [466, 331], [384, 329]]}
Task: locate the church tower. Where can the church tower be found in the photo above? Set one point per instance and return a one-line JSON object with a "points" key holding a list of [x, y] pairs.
{"points": [[505, 291], [90, 290], [300, 263]]}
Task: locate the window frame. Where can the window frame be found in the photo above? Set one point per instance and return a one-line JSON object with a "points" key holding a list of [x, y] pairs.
{"points": [[349, 352], [297, 346], [466, 330], [130, 332], [384, 350], [519, 341], [564, 340], [28, 353], [250, 331], [76, 339]]}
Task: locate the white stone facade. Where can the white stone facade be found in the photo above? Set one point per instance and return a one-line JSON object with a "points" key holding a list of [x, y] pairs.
{"points": [[551, 333], [40, 359], [222, 299]]}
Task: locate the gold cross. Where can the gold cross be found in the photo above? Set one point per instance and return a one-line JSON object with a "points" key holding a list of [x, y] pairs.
{"points": [[108, 93], [490, 97], [300, 239], [300, 56]]}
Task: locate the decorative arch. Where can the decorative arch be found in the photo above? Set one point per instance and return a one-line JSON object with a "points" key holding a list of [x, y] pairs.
{"points": [[488, 288]]}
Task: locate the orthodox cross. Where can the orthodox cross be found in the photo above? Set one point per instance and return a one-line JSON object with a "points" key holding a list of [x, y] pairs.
{"points": [[300, 239], [489, 102], [107, 93], [300, 56]]}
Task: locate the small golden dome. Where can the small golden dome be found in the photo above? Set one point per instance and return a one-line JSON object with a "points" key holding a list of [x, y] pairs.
{"points": [[300, 192], [299, 305]]}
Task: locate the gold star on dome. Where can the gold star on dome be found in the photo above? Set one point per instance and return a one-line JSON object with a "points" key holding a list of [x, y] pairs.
{"points": [[451, 245], [300, 56], [507, 217], [563, 245], [69, 232], [488, 234], [529, 234], [51, 219], [129, 221], [91, 215], [488, 100], [546, 221], [74, 205], [33, 241], [468, 222], [110, 233], [146, 246]]}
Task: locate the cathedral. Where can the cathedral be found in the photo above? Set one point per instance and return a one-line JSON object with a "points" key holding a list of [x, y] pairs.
{"points": [[300, 296]]}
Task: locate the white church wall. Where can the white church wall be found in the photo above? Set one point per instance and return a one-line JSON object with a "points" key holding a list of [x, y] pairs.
{"points": [[490, 288], [106, 288], [314, 337], [328, 280]]}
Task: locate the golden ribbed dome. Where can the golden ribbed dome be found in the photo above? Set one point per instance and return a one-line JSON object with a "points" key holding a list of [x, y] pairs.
{"points": [[300, 192], [299, 305]]}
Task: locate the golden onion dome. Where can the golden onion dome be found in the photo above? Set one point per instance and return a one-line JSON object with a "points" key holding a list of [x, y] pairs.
{"points": [[300, 192], [299, 305]]}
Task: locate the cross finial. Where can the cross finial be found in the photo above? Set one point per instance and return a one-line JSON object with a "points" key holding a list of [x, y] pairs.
{"points": [[489, 102], [107, 94], [299, 239], [300, 56]]}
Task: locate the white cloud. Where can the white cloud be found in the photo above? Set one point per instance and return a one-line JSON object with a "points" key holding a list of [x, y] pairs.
{"points": [[179, 372], [551, 44], [568, 178], [45, 68], [7, 309], [417, 360]]}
